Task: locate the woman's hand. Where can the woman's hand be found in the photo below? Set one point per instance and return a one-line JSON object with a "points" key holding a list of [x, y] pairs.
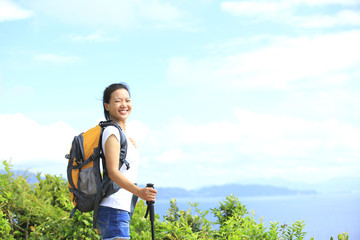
{"points": [[147, 193]]}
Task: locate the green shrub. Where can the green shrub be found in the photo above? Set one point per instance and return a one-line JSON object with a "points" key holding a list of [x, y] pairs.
{"points": [[140, 227], [41, 211], [5, 226], [180, 224]]}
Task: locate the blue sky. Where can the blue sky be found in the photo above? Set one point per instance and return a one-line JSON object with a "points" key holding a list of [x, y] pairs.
{"points": [[223, 91]]}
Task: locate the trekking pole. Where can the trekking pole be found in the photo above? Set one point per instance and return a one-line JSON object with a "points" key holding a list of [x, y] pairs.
{"points": [[150, 209]]}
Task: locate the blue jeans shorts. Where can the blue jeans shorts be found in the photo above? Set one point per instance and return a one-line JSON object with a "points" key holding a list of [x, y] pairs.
{"points": [[113, 223]]}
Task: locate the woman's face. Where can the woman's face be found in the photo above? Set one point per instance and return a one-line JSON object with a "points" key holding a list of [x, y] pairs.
{"points": [[120, 105]]}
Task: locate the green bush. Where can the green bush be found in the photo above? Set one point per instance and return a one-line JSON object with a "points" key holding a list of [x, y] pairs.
{"points": [[5, 226], [140, 227], [41, 211], [180, 224]]}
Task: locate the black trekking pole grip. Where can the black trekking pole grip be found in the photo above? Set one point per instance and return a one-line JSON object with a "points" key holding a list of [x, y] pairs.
{"points": [[150, 209], [150, 185]]}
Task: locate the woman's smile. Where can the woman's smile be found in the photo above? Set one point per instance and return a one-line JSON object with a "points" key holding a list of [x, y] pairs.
{"points": [[124, 111]]}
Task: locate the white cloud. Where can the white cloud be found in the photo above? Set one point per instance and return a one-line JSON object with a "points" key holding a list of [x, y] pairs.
{"points": [[284, 12], [249, 8], [94, 37], [267, 144], [126, 13], [341, 18], [327, 2], [273, 144], [10, 11], [35, 146], [269, 135], [282, 64], [260, 7], [138, 131], [254, 145], [171, 156], [155, 10], [52, 58]]}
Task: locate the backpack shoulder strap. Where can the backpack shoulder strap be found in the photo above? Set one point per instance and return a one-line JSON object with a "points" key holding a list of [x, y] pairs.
{"points": [[123, 141]]}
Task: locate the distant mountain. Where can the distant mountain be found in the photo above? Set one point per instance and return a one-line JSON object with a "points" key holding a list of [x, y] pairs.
{"points": [[336, 185], [249, 190], [228, 189], [174, 192], [30, 177], [244, 190]]}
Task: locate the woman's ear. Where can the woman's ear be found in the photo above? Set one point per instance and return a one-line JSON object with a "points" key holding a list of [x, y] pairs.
{"points": [[106, 106]]}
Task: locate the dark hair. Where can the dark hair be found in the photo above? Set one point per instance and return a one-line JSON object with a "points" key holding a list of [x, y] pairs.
{"points": [[107, 95]]}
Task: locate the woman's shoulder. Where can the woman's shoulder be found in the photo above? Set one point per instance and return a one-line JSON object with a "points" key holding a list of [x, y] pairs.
{"points": [[132, 141], [110, 130]]}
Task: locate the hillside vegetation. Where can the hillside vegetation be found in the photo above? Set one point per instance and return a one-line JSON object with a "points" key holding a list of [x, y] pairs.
{"points": [[41, 211]]}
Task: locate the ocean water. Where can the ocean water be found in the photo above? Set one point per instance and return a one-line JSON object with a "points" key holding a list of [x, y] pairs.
{"points": [[325, 215]]}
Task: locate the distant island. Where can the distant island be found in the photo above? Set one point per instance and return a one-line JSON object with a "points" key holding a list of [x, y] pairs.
{"points": [[225, 190], [239, 190]]}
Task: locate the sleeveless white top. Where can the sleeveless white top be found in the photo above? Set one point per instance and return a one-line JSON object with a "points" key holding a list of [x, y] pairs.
{"points": [[122, 198]]}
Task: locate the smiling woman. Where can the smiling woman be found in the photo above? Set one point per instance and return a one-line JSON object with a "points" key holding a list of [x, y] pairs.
{"points": [[115, 210]]}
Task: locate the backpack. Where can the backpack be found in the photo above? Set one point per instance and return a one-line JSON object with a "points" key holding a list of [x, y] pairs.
{"points": [[87, 184]]}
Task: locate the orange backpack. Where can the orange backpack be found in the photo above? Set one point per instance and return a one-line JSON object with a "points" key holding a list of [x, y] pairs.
{"points": [[88, 185]]}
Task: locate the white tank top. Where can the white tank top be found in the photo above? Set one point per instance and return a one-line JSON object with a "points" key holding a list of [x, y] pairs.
{"points": [[122, 198]]}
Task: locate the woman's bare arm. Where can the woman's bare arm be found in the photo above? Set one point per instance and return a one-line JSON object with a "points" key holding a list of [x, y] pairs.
{"points": [[112, 152]]}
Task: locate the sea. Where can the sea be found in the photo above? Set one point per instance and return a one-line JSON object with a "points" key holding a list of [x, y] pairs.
{"points": [[325, 215]]}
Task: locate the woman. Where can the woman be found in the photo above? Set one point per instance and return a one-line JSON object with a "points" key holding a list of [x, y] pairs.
{"points": [[114, 212]]}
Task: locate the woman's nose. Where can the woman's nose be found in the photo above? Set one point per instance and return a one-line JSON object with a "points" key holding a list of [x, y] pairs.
{"points": [[123, 104]]}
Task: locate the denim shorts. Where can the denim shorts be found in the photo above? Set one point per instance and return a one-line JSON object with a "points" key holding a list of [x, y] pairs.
{"points": [[113, 223]]}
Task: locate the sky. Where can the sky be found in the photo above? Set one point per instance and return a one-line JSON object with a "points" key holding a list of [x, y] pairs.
{"points": [[223, 91]]}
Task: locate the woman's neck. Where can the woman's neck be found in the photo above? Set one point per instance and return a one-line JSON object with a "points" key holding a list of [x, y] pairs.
{"points": [[122, 124]]}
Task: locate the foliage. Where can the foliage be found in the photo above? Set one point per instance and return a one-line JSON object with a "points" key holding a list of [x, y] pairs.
{"points": [[228, 209], [342, 236], [234, 224], [5, 226], [140, 227], [41, 211], [180, 224]]}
